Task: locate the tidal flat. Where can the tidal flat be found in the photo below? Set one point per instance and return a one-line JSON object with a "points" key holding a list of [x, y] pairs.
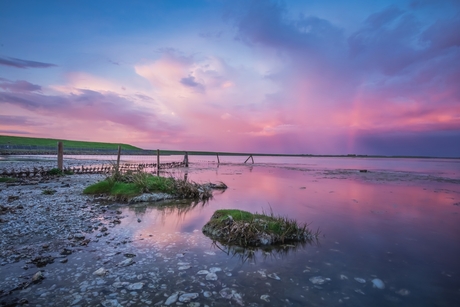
{"points": [[388, 238]]}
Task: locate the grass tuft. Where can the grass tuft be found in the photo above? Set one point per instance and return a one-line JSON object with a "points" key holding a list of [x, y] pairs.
{"points": [[242, 228]]}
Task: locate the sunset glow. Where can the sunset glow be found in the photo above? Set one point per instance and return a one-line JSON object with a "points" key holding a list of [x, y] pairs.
{"points": [[300, 77]]}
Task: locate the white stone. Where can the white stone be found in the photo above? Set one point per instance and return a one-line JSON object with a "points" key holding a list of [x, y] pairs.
{"points": [[126, 262], [187, 297], [319, 280], [172, 299], [378, 283], [100, 272], [135, 286], [203, 272], [215, 269], [211, 276], [265, 297], [274, 276]]}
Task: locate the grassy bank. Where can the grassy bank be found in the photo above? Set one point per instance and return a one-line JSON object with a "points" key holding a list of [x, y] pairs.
{"points": [[128, 185], [26, 141]]}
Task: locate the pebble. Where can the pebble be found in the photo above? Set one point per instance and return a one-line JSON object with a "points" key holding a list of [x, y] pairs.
{"points": [[211, 276], [319, 280], [265, 297], [378, 283], [126, 262], [100, 272], [187, 297], [172, 299], [135, 286], [274, 276]]}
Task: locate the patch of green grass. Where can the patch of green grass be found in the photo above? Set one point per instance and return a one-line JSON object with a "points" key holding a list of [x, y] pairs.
{"points": [[26, 141], [237, 215], [7, 179], [101, 187], [123, 190], [127, 185]]}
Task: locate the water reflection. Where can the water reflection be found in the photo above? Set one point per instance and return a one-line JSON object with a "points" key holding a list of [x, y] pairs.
{"points": [[251, 254]]}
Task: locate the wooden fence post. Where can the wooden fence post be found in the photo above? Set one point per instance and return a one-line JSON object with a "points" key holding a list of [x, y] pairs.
{"points": [[118, 157], [60, 156], [158, 162], [250, 157], [186, 159]]}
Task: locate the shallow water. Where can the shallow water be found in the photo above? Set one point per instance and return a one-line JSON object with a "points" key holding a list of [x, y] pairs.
{"points": [[399, 222]]}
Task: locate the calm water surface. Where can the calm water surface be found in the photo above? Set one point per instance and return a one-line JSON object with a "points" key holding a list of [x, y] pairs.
{"points": [[398, 222]]}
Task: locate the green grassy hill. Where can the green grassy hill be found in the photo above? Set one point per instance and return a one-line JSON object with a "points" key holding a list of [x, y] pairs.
{"points": [[25, 141]]}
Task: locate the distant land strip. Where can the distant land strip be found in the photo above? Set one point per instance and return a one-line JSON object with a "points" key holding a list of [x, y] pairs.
{"points": [[14, 145]]}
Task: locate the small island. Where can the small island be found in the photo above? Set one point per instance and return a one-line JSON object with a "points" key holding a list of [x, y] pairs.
{"points": [[242, 228]]}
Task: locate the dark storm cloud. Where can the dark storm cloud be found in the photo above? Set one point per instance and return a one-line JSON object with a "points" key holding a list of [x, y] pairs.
{"points": [[19, 63]]}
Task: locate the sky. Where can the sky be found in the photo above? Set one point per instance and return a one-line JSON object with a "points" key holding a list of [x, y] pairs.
{"points": [[298, 77]]}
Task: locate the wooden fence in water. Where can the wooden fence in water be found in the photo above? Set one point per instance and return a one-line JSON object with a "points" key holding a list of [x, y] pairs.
{"points": [[92, 161]]}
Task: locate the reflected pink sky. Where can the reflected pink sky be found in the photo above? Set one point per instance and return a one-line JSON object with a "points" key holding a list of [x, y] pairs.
{"points": [[402, 229], [339, 207]]}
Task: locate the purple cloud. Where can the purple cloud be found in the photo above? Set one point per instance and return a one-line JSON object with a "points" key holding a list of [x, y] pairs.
{"points": [[190, 82], [91, 106], [18, 63], [19, 86]]}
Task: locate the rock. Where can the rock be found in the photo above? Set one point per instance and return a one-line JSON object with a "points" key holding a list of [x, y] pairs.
{"points": [[111, 303], [172, 299], [135, 286], [184, 267], [319, 280], [187, 297], [203, 272], [100, 272], [360, 280], [211, 276], [378, 283], [37, 277], [265, 297], [274, 276], [41, 261], [215, 269], [207, 293], [150, 197], [126, 262], [78, 236], [66, 251]]}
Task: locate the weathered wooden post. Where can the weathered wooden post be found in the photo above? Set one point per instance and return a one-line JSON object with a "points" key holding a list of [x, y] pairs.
{"points": [[158, 162], [118, 157], [60, 156], [186, 159], [250, 157], [218, 161]]}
